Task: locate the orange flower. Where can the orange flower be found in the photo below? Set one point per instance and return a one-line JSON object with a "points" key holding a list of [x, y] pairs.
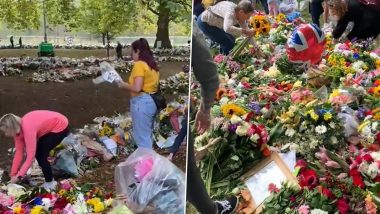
{"points": [[220, 93]]}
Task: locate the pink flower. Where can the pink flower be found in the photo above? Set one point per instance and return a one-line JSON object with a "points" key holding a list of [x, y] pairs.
{"points": [[332, 164], [342, 175], [322, 155], [6, 200], [304, 209], [219, 58], [273, 188]]}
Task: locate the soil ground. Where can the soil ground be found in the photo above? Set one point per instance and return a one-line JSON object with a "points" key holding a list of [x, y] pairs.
{"points": [[81, 101]]}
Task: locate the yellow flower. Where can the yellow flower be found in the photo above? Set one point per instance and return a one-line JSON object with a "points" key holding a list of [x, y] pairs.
{"points": [[297, 84], [61, 192], [361, 126], [313, 115], [231, 109], [334, 93], [37, 210], [18, 210], [280, 17], [327, 116], [97, 204], [378, 64]]}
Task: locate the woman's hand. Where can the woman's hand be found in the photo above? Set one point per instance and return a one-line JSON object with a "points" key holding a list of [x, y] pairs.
{"points": [[14, 180], [248, 32], [202, 120]]}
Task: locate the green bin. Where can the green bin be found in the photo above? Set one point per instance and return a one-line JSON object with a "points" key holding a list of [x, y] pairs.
{"points": [[46, 49]]}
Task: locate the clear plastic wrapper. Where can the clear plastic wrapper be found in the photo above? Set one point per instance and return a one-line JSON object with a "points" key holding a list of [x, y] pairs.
{"points": [[150, 183]]}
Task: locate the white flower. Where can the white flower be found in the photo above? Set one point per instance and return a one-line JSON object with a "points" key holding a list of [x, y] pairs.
{"points": [[223, 101], [231, 82], [318, 211], [254, 137], [333, 140], [15, 190], [290, 132], [363, 167], [321, 129], [236, 119], [242, 129], [332, 125], [272, 72], [373, 170], [374, 126], [366, 131], [375, 156]]}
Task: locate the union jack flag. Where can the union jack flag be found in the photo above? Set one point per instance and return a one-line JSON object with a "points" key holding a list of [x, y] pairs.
{"points": [[306, 44]]}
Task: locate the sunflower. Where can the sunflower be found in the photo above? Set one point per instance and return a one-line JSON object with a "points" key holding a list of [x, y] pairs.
{"points": [[220, 93], [280, 17], [232, 109]]}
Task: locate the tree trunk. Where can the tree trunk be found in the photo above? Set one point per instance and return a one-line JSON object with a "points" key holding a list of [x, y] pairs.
{"points": [[104, 38], [108, 44], [163, 28]]}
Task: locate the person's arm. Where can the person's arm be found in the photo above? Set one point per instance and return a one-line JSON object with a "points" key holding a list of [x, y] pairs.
{"points": [[228, 25], [18, 156], [204, 69], [341, 26], [136, 87], [30, 139], [138, 72]]}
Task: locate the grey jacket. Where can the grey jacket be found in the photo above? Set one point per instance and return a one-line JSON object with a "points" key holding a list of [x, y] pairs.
{"points": [[204, 68]]}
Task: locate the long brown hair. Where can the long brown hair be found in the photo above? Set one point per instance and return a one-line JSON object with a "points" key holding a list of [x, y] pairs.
{"points": [[146, 54]]}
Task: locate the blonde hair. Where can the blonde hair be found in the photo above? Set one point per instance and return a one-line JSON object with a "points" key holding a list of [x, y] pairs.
{"points": [[339, 6], [10, 122]]}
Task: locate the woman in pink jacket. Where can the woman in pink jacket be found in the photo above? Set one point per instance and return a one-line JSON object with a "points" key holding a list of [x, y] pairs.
{"points": [[36, 134]]}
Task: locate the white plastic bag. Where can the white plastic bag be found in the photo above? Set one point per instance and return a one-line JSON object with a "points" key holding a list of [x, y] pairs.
{"points": [[109, 74], [150, 182]]}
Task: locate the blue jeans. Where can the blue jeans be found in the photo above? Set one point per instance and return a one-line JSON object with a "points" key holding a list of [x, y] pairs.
{"points": [[180, 137], [143, 112], [215, 34]]}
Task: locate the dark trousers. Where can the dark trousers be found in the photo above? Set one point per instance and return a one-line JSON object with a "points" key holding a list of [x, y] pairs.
{"points": [[198, 9], [45, 144], [316, 10], [264, 3], [217, 35], [196, 191], [179, 139]]}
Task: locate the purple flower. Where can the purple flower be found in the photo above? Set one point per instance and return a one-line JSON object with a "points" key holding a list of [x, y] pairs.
{"points": [[233, 66], [232, 127], [361, 113], [356, 56], [255, 107]]}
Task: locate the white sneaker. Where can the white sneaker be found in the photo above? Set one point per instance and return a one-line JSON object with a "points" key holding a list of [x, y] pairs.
{"points": [[52, 185]]}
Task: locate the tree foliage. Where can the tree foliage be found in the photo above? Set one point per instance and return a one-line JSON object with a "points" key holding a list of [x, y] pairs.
{"points": [[63, 12], [20, 14], [168, 11]]}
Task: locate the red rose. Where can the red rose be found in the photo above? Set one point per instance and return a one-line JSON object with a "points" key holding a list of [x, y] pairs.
{"points": [[272, 188], [60, 203], [292, 198], [378, 137], [357, 178], [326, 192], [249, 116], [368, 158], [308, 178], [342, 205], [358, 159], [246, 85], [301, 164]]}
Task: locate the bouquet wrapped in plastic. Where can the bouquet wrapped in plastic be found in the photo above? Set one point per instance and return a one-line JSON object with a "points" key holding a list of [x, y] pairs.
{"points": [[150, 183]]}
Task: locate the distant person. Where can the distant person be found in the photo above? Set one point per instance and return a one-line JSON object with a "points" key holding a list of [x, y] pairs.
{"points": [[12, 44], [35, 134], [20, 42], [182, 134], [119, 49]]}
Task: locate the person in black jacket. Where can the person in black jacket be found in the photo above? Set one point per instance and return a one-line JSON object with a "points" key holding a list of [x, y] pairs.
{"points": [[119, 49], [366, 19], [205, 72]]}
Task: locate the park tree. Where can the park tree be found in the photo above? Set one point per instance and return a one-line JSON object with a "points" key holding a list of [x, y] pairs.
{"points": [[21, 14], [63, 12], [107, 18], [168, 11]]}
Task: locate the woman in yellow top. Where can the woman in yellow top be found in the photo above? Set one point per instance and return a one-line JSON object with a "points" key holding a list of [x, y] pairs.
{"points": [[142, 82]]}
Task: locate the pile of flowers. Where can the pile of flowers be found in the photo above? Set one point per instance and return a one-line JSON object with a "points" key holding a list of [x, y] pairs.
{"points": [[327, 114]]}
